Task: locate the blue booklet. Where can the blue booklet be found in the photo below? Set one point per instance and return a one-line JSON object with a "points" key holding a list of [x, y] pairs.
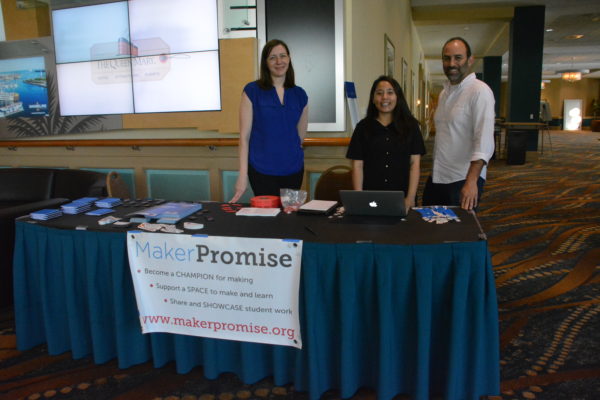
{"points": [[75, 207], [100, 211], [168, 213], [86, 200], [47, 213], [108, 202]]}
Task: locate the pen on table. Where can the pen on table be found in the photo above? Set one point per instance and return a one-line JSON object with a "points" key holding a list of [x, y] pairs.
{"points": [[310, 230]]}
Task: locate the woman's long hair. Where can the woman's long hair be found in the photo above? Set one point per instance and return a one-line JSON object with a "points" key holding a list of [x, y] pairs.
{"points": [[265, 81], [402, 118]]}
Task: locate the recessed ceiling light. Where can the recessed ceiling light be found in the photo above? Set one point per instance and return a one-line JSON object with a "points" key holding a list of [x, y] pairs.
{"points": [[549, 30], [574, 37]]}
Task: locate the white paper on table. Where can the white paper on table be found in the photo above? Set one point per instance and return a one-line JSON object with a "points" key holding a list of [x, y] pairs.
{"points": [[318, 205], [258, 212]]}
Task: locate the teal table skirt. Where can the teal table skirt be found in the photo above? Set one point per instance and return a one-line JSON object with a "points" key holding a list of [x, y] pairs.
{"points": [[420, 320]]}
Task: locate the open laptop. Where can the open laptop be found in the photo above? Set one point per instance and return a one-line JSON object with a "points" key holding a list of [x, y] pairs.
{"points": [[374, 202]]}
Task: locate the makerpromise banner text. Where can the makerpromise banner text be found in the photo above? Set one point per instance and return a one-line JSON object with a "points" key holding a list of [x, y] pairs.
{"points": [[232, 288]]}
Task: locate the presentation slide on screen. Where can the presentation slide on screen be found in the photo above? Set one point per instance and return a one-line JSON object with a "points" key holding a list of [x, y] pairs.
{"points": [[176, 82], [185, 25], [243, 289], [78, 31], [165, 54], [79, 94]]}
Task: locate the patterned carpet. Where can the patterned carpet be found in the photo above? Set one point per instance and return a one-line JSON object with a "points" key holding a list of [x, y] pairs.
{"points": [[543, 223]]}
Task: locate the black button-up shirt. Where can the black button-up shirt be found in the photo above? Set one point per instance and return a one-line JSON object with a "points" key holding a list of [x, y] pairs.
{"points": [[386, 154]]}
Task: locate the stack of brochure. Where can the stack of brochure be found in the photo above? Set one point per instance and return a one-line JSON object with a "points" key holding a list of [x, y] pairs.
{"points": [[76, 207], [89, 200], [108, 202], [45, 214]]}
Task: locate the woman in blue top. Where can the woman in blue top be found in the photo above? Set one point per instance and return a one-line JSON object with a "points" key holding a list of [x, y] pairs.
{"points": [[273, 122]]}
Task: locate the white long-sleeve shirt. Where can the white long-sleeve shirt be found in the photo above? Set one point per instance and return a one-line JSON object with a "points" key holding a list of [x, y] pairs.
{"points": [[464, 129]]}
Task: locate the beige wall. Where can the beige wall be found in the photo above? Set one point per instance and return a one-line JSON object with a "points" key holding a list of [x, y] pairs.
{"points": [[25, 23], [366, 24], [557, 91]]}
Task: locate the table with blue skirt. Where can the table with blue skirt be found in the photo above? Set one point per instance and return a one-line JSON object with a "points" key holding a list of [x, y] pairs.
{"points": [[419, 319]]}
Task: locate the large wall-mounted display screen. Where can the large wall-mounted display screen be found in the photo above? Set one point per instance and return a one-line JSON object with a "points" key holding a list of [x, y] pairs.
{"points": [[137, 56], [23, 91]]}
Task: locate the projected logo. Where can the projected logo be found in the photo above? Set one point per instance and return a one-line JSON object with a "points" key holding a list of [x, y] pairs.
{"points": [[135, 65]]}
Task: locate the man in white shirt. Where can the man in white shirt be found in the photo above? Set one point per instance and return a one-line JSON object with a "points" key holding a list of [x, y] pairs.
{"points": [[464, 139]]}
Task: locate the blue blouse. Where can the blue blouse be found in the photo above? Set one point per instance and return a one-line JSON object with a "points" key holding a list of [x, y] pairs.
{"points": [[275, 147]]}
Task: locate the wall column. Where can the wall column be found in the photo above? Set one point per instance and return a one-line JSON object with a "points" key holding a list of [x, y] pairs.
{"points": [[525, 69], [492, 75]]}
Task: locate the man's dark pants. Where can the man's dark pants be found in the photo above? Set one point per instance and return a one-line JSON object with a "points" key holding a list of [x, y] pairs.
{"points": [[447, 194]]}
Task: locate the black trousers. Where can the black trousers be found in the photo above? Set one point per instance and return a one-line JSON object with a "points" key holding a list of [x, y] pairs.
{"points": [[447, 194], [263, 185]]}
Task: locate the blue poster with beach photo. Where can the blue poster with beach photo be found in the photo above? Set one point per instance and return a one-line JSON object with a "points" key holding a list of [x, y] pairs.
{"points": [[23, 87]]}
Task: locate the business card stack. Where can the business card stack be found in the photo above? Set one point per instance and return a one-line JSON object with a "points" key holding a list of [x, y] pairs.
{"points": [[46, 214], [108, 202]]}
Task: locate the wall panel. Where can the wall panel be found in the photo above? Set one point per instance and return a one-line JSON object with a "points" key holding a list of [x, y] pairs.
{"points": [[178, 185]]}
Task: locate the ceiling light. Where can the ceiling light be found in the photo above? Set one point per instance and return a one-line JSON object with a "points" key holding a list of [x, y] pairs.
{"points": [[549, 30], [574, 37], [571, 76]]}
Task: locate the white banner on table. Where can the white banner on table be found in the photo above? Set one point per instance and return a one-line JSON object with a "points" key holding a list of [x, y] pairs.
{"points": [[231, 288]]}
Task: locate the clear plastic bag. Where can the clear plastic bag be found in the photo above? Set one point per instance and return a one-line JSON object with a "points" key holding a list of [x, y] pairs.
{"points": [[292, 199]]}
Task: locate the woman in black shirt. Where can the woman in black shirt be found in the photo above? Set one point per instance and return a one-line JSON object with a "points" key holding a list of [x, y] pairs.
{"points": [[386, 146]]}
